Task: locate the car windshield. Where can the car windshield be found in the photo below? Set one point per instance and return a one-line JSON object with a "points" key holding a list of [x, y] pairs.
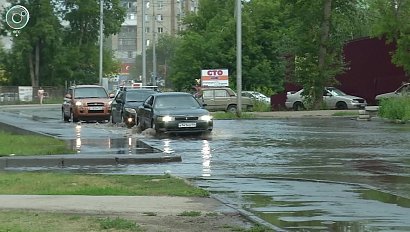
{"points": [[181, 101], [336, 92], [90, 92], [138, 96]]}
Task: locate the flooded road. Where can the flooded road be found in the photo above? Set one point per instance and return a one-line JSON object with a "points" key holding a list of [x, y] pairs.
{"points": [[332, 174], [306, 174]]}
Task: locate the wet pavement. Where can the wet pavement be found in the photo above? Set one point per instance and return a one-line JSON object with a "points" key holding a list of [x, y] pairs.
{"points": [[300, 174]]}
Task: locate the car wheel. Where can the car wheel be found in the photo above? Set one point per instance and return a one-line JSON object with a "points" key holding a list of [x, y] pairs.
{"points": [[65, 118], [298, 106], [341, 106], [73, 118], [154, 126], [232, 109], [139, 124]]}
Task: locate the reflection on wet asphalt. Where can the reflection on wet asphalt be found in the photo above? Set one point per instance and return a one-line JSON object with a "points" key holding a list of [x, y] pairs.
{"points": [[331, 174], [311, 174]]}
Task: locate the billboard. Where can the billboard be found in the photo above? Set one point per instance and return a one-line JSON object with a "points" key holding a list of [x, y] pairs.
{"points": [[214, 78], [25, 93]]}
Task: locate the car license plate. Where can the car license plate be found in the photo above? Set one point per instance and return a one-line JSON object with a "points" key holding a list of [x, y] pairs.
{"points": [[95, 108], [186, 124]]}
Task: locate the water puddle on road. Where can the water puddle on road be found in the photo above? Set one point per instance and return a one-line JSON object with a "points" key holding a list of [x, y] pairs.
{"points": [[111, 146], [300, 205]]}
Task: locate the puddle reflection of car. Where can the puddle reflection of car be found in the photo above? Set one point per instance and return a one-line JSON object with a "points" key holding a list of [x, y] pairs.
{"points": [[333, 98], [174, 112]]}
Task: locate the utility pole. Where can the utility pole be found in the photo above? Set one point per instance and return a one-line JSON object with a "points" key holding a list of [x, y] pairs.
{"points": [[144, 44], [154, 41], [239, 55], [101, 40]]}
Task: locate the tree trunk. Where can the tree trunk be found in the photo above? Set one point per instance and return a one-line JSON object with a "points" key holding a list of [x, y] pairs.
{"points": [[324, 37], [31, 68], [37, 66], [34, 65]]}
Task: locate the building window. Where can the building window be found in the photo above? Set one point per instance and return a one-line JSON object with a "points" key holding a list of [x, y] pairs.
{"points": [[147, 30], [130, 54], [131, 16], [160, 30], [160, 17], [160, 5]]}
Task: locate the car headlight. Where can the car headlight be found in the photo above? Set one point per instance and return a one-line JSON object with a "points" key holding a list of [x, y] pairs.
{"points": [[78, 103], [167, 118], [205, 118], [109, 103], [130, 110]]}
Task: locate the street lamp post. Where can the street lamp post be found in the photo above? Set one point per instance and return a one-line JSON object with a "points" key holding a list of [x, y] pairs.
{"points": [[101, 39], [144, 44], [239, 55], [154, 40]]}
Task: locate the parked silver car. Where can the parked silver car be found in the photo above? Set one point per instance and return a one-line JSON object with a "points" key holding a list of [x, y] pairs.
{"points": [[256, 96], [332, 97], [403, 90]]}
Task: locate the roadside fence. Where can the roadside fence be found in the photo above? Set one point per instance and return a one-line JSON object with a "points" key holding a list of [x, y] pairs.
{"points": [[28, 95]]}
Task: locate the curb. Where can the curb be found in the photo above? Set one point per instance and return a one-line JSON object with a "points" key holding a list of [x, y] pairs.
{"points": [[62, 161]]}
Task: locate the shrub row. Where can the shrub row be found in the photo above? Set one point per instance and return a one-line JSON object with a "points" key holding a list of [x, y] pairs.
{"points": [[397, 109]]}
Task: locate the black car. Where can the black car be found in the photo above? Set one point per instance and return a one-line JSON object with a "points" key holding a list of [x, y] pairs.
{"points": [[174, 112], [125, 105]]}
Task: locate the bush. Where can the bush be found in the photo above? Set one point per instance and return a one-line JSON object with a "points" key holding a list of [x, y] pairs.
{"points": [[395, 108], [259, 106]]}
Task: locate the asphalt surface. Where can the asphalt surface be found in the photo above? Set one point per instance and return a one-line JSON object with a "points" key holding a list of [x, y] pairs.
{"points": [[122, 205]]}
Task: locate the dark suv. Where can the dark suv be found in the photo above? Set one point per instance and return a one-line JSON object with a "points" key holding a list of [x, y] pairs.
{"points": [[126, 103], [87, 103]]}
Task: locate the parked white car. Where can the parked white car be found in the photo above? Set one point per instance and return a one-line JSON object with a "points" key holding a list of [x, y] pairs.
{"points": [[332, 97], [403, 90], [256, 96]]}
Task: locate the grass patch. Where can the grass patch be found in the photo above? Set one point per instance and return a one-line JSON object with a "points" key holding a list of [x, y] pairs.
{"points": [[151, 214], [50, 183], [346, 113], [190, 214], [47, 100], [397, 109], [259, 106], [24, 145], [19, 221], [119, 224]]}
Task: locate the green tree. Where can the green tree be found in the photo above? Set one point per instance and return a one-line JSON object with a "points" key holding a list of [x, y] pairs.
{"points": [[318, 30], [391, 21], [207, 43], [60, 42], [35, 44]]}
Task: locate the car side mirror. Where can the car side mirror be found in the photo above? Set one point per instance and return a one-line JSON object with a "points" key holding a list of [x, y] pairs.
{"points": [[148, 106], [68, 96], [112, 95]]}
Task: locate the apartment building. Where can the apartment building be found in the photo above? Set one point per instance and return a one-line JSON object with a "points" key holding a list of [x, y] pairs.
{"points": [[161, 16]]}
